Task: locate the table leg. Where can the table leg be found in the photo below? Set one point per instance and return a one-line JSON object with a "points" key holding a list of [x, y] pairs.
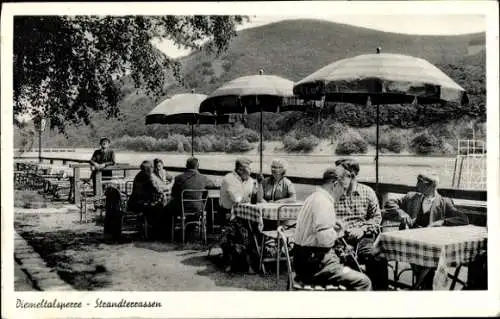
{"points": [[421, 279], [255, 242]]}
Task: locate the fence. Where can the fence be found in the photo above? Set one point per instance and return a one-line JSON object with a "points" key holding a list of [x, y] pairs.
{"points": [[384, 189]]}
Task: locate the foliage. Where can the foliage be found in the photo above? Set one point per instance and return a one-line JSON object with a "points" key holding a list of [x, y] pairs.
{"points": [[305, 144], [238, 146], [426, 143], [66, 67], [351, 142]]}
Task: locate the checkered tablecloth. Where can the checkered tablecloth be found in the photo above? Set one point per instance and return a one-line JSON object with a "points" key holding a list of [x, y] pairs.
{"points": [[257, 213], [434, 247], [124, 185]]}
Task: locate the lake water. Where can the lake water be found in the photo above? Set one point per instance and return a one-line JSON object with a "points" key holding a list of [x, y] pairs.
{"points": [[392, 168]]}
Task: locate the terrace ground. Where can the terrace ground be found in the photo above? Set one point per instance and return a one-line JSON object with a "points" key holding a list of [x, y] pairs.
{"points": [[80, 256]]}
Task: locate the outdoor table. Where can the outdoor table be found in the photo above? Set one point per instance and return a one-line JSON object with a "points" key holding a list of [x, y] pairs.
{"points": [[118, 183], [434, 247], [256, 213]]}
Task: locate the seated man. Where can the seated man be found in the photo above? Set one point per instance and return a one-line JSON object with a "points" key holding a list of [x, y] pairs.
{"points": [[359, 209], [237, 187], [315, 260], [191, 179], [425, 208]]}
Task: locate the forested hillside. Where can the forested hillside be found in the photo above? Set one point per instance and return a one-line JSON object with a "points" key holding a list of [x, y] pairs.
{"points": [[294, 49]]}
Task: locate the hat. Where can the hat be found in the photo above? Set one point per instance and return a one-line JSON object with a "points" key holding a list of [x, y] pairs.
{"points": [[104, 139], [351, 165], [243, 161], [428, 178]]}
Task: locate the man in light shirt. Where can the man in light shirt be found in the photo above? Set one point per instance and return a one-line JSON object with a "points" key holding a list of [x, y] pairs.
{"points": [[237, 186], [315, 260]]}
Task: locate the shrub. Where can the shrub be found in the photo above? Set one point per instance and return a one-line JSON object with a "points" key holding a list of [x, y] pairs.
{"points": [[249, 135], [218, 144], [425, 143], [202, 144], [351, 142], [392, 142], [290, 143], [305, 144], [239, 146]]}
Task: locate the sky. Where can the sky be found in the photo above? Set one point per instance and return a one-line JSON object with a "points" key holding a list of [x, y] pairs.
{"points": [[408, 24]]}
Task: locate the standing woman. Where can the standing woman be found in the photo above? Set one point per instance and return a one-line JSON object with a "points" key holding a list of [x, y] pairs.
{"points": [[100, 159], [277, 188]]}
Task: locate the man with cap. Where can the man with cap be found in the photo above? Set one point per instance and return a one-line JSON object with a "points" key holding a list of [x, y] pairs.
{"points": [[425, 208], [100, 159], [315, 260], [359, 209]]}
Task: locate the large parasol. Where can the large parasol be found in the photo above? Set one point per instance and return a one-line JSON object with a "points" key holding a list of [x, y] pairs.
{"points": [[250, 94], [181, 109], [381, 78]]}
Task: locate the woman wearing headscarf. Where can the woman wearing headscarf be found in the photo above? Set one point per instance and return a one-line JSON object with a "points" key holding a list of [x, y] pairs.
{"points": [[148, 195], [277, 188]]}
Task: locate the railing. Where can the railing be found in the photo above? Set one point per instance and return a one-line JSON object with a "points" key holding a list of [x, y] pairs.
{"points": [[384, 188]]}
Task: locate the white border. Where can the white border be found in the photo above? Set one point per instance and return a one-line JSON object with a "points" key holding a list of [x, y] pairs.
{"points": [[262, 304]]}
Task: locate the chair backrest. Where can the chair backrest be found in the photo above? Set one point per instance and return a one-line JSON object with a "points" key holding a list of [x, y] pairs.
{"points": [[193, 200], [280, 217], [129, 187]]}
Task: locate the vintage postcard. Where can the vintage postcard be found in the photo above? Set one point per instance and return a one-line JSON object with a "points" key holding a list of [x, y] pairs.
{"points": [[250, 159]]}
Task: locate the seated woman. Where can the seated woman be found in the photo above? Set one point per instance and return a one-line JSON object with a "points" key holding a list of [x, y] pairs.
{"points": [[277, 188], [147, 195], [160, 172]]}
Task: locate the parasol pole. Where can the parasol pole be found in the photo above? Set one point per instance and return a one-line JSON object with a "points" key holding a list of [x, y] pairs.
{"points": [[261, 124], [192, 139], [377, 146], [377, 137], [192, 132]]}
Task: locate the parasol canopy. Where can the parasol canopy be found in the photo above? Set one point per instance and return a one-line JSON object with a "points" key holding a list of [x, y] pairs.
{"points": [[180, 109], [249, 94], [386, 78]]}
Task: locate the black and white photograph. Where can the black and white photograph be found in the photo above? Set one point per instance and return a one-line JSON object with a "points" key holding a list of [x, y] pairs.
{"points": [[340, 150]]}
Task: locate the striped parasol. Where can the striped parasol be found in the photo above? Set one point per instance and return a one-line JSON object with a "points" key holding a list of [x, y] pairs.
{"points": [[381, 78], [386, 78]]}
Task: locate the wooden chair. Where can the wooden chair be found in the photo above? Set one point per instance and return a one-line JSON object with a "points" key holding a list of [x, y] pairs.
{"points": [[273, 236], [200, 218], [292, 284]]}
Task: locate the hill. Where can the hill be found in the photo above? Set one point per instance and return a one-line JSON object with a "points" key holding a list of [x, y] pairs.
{"points": [[294, 49]]}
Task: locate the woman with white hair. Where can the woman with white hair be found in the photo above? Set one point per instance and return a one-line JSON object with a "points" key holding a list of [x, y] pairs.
{"points": [[277, 188]]}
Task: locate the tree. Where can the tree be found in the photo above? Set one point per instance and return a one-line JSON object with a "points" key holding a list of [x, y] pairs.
{"points": [[65, 67]]}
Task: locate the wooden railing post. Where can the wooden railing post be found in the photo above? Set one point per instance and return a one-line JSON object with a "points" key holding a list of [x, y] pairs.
{"points": [[76, 184], [98, 183]]}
